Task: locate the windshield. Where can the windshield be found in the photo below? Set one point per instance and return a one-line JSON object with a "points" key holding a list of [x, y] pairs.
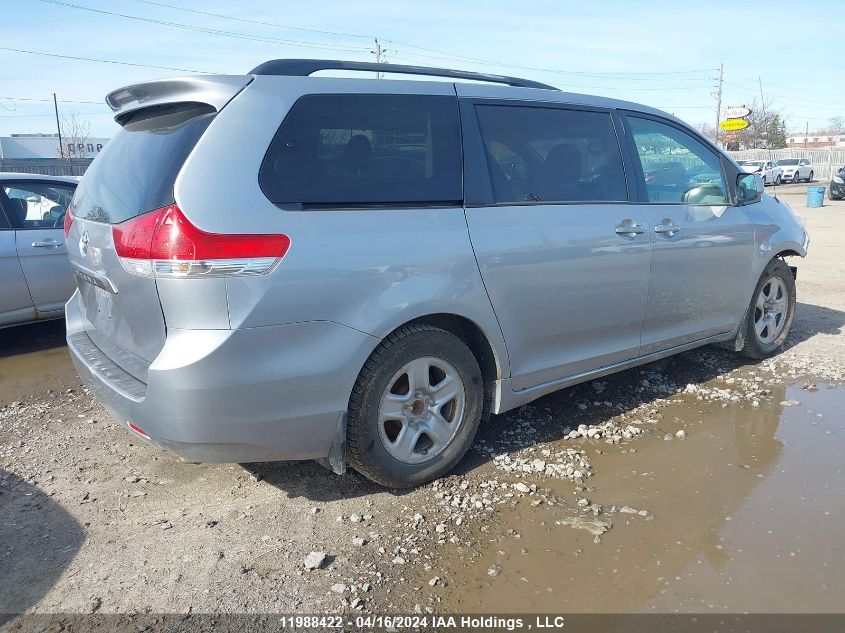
{"points": [[788, 161]]}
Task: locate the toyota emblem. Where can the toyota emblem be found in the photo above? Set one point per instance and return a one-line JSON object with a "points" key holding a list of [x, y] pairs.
{"points": [[83, 244]]}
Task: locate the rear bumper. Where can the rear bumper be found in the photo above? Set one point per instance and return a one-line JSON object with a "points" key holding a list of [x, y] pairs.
{"points": [[258, 394]]}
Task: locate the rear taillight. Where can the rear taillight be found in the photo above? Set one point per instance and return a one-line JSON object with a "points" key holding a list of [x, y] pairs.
{"points": [[68, 220], [163, 243]]}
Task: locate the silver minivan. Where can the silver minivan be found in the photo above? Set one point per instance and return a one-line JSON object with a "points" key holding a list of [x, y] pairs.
{"points": [[277, 266]]}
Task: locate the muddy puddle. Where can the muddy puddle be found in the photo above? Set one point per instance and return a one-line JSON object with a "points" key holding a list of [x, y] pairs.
{"points": [[745, 514], [33, 359]]}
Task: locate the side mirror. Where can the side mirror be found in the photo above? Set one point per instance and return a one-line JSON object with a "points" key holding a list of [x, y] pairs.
{"points": [[749, 188], [33, 199]]}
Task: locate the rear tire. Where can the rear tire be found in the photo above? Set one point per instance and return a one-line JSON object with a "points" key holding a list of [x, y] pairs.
{"points": [[777, 180], [810, 178], [393, 402], [771, 311]]}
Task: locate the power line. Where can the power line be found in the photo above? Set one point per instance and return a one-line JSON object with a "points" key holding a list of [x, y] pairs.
{"points": [[827, 94], [439, 54], [628, 76], [200, 29], [780, 97], [248, 21], [28, 116], [102, 61], [51, 101], [588, 87]]}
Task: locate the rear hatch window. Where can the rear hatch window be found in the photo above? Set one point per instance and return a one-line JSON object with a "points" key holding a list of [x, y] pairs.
{"points": [[136, 170]]}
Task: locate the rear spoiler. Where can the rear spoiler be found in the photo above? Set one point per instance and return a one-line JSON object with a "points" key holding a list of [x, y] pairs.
{"points": [[213, 90]]}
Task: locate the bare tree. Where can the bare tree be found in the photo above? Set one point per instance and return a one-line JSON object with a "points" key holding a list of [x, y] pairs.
{"points": [[76, 136], [766, 129], [836, 125]]}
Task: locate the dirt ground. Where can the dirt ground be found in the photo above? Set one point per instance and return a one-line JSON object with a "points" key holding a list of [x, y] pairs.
{"points": [[701, 483]]}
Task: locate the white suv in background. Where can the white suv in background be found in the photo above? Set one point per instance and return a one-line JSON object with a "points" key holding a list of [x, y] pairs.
{"points": [[768, 170], [795, 169]]}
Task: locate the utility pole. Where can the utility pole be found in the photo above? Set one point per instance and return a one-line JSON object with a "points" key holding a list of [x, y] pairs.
{"points": [[58, 127], [378, 52], [719, 100], [763, 108]]}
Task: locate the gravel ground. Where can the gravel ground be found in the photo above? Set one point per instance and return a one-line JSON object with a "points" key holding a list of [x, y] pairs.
{"points": [[93, 521]]}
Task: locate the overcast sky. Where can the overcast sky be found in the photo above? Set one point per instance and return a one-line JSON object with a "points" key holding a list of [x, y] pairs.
{"points": [[662, 53]]}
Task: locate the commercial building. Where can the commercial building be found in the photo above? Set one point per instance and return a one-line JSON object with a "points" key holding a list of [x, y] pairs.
{"points": [[41, 154], [815, 139]]}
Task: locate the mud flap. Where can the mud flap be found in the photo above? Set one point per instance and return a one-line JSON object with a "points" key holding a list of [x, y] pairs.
{"points": [[335, 461], [736, 343]]}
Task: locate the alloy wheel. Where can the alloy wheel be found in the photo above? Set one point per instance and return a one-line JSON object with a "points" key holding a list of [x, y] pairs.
{"points": [[421, 410], [770, 310]]}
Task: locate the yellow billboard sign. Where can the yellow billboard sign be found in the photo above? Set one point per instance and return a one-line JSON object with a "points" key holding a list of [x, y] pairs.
{"points": [[734, 124]]}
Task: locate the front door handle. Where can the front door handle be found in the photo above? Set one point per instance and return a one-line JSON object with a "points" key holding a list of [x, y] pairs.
{"points": [[667, 228], [629, 228], [46, 244]]}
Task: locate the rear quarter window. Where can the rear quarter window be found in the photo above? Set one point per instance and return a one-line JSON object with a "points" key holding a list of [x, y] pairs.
{"points": [[366, 150]]}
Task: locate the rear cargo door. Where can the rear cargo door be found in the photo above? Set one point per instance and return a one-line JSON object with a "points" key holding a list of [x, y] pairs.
{"points": [[133, 175]]}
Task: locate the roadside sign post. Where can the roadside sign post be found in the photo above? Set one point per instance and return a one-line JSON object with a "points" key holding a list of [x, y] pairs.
{"points": [[735, 120]]}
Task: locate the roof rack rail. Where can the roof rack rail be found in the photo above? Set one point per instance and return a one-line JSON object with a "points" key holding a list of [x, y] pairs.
{"points": [[306, 67]]}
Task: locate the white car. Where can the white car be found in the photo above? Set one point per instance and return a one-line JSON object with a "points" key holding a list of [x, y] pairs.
{"points": [[768, 170], [795, 169]]}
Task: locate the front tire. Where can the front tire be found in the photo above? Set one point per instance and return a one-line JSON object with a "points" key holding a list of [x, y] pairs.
{"points": [[415, 407], [771, 312], [795, 178]]}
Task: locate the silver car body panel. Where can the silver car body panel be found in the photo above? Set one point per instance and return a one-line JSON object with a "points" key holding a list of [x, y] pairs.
{"points": [[43, 256], [529, 255], [256, 368], [35, 276], [123, 309], [15, 301], [710, 254]]}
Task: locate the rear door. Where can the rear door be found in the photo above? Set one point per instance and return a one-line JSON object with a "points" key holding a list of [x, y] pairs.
{"points": [[132, 175], [15, 302], [38, 210], [702, 245], [563, 255]]}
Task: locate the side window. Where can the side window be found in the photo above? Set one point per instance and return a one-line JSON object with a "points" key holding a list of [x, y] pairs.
{"points": [[360, 150], [551, 154], [677, 168], [37, 205]]}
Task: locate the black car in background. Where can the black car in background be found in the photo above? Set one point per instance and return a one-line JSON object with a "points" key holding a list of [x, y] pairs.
{"points": [[837, 185]]}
